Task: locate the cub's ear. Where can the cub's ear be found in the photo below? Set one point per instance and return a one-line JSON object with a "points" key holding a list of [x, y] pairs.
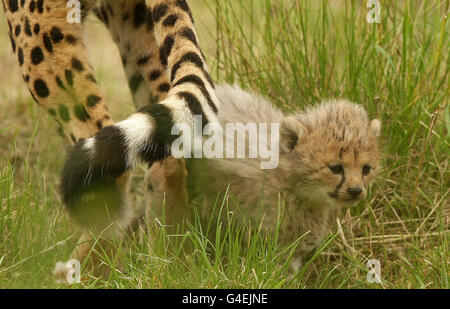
{"points": [[290, 131], [375, 127]]}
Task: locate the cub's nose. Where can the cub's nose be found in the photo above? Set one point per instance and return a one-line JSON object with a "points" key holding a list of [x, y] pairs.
{"points": [[354, 191]]}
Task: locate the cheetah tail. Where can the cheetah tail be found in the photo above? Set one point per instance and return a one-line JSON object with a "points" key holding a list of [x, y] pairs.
{"points": [[89, 178]]}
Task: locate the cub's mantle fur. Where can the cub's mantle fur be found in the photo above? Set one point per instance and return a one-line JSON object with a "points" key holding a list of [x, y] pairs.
{"points": [[328, 157]]}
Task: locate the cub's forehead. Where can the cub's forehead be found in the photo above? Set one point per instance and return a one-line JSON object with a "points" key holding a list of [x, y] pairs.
{"points": [[336, 112], [352, 153], [339, 121]]}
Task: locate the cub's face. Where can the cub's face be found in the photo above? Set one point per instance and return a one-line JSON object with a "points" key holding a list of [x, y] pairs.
{"points": [[334, 151], [344, 173]]}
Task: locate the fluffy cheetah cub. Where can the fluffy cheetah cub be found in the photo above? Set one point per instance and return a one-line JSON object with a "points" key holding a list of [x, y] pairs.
{"points": [[328, 156]]}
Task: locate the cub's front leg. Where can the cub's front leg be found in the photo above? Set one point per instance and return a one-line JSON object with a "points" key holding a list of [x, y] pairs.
{"points": [[166, 181]]}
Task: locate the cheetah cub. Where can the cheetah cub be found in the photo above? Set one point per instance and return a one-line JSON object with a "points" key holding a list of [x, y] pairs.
{"points": [[328, 156]]}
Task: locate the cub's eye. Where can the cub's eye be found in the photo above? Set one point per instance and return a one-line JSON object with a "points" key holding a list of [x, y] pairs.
{"points": [[366, 170], [336, 169]]}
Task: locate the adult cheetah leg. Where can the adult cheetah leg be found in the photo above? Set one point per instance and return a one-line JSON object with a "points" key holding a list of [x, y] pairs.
{"points": [[132, 28], [54, 64], [145, 63], [55, 67]]}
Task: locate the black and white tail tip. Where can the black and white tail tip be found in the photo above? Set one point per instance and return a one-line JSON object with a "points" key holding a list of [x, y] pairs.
{"points": [[89, 177]]}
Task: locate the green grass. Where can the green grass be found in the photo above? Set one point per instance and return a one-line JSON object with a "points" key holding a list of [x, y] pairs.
{"points": [[295, 53]]}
